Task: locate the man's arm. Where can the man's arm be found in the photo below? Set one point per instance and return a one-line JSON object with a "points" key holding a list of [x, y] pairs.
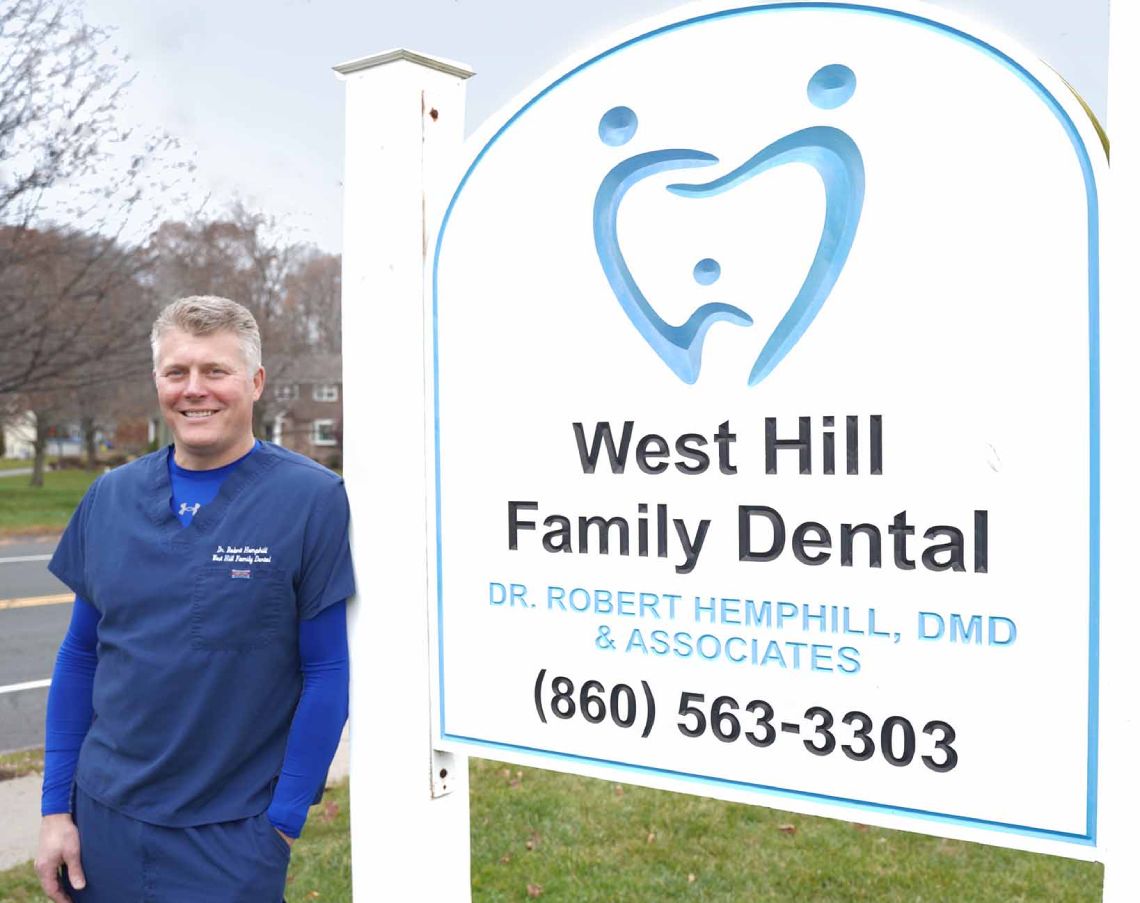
{"points": [[69, 713], [318, 720]]}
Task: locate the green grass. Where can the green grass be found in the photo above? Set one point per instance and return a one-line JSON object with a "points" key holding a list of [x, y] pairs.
{"points": [[20, 885], [321, 865], [18, 764], [27, 509], [13, 463], [597, 841], [576, 840]]}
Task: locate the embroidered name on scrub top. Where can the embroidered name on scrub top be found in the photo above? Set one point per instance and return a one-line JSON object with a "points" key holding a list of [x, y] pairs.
{"points": [[192, 489]]}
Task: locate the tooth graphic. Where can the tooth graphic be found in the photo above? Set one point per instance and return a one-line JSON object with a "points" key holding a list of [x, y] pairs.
{"points": [[678, 346], [832, 154], [837, 160]]}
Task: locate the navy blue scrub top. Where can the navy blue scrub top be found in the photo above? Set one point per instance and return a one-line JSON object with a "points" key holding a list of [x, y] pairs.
{"points": [[198, 671]]}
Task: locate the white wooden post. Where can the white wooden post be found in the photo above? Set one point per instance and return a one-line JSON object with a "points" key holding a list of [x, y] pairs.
{"points": [[410, 820], [1120, 385]]}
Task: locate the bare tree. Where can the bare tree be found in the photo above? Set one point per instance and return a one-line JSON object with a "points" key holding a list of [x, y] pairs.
{"points": [[73, 312], [58, 98], [241, 256], [293, 289], [64, 159], [48, 411], [312, 300], [101, 410]]}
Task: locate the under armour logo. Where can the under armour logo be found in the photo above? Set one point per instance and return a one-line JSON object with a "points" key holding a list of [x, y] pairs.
{"points": [[189, 509]]}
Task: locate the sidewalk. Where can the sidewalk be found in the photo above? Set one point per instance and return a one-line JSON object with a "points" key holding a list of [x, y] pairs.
{"points": [[20, 824], [20, 810]]}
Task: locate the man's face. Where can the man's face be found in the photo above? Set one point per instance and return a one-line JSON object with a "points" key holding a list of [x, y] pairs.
{"points": [[206, 394]]}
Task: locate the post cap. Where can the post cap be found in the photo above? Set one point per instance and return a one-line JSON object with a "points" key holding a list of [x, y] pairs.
{"points": [[460, 70]]}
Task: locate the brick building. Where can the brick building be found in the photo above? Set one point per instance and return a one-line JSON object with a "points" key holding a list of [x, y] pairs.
{"points": [[302, 407]]}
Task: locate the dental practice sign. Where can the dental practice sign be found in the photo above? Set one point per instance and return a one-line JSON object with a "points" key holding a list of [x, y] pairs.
{"points": [[766, 432]]}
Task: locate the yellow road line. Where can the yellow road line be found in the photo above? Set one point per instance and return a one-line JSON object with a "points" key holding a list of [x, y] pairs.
{"points": [[31, 601]]}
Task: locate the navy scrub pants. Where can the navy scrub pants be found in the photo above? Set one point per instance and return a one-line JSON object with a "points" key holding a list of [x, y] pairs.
{"points": [[129, 861]]}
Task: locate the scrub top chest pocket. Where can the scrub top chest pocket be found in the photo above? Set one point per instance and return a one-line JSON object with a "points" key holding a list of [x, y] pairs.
{"points": [[237, 608]]}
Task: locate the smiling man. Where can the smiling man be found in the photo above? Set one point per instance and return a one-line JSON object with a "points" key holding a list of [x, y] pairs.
{"points": [[201, 689]]}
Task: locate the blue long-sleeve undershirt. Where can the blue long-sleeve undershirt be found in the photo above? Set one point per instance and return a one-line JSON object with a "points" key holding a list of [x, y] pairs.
{"points": [[315, 730], [318, 720], [69, 708]]}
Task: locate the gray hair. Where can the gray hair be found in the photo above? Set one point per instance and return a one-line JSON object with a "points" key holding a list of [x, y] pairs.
{"points": [[204, 315]]}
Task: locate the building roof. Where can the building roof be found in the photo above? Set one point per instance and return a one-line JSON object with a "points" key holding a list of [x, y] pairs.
{"points": [[305, 367]]}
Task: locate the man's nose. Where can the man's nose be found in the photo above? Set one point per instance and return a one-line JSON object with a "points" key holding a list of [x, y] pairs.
{"points": [[195, 384]]}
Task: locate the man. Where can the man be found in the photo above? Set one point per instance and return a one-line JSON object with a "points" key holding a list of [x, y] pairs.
{"points": [[199, 695]]}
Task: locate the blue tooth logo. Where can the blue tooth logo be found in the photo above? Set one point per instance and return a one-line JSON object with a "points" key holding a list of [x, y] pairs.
{"points": [[829, 151]]}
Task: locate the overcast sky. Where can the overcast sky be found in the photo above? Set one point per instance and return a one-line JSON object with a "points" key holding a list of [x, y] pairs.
{"points": [[247, 84]]}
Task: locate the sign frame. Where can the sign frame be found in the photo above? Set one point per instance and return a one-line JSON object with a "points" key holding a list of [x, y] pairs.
{"points": [[1071, 113]]}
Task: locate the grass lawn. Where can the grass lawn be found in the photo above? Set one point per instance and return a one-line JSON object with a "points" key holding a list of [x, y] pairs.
{"points": [[24, 509], [18, 764], [581, 840], [541, 835]]}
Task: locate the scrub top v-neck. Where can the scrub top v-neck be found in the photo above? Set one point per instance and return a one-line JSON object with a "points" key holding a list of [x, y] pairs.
{"points": [[191, 490]]}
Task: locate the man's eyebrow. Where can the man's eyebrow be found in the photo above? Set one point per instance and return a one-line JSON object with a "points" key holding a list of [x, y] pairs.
{"points": [[205, 365]]}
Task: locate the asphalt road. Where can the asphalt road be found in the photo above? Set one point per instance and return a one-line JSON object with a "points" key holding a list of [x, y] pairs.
{"points": [[32, 624]]}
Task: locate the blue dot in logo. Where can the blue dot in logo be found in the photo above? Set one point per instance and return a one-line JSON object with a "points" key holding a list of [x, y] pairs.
{"points": [[707, 271], [831, 87], [617, 126]]}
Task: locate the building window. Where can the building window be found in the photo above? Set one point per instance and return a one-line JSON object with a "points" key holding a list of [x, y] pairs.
{"points": [[286, 392], [324, 432], [326, 392]]}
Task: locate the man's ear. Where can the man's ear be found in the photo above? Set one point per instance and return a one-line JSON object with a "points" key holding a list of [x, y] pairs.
{"points": [[258, 383]]}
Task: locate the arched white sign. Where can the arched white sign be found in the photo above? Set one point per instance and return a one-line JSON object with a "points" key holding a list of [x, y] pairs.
{"points": [[766, 424]]}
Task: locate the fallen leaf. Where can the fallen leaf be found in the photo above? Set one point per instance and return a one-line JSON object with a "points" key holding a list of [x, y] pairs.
{"points": [[505, 858], [619, 790], [331, 811], [786, 829], [860, 828], [692, 877], [515, 785], [506, 772], [533, 840], [651, 838], [534, 891], [313, 894]]}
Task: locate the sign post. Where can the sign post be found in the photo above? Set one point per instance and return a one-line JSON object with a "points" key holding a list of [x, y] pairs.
{"points": [[404, 116]]}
